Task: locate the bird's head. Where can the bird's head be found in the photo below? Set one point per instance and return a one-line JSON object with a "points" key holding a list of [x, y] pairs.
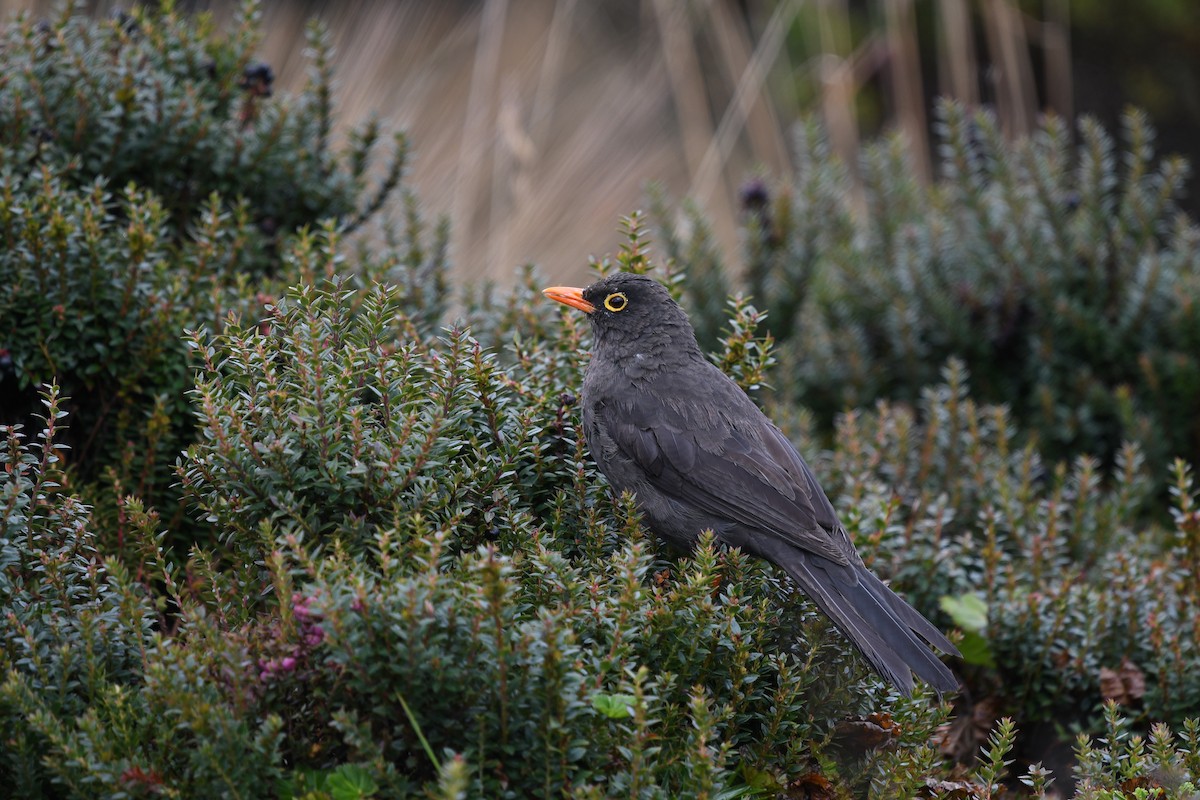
{"points": [[631, 315]]}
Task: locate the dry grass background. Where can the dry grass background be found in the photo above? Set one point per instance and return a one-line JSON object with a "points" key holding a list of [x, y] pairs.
{"points": [[536, 124]]}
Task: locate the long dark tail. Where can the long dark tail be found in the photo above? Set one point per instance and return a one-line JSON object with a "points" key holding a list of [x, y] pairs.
{"points": [[892, 635]]}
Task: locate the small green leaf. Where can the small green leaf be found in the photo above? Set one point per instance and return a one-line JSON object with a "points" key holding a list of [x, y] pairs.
{"points": [[976, 650], [351, 782], [614, 706], [968, 611]]}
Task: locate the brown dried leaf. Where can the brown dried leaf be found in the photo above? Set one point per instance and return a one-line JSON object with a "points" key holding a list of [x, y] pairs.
{"points": [[1130, 786], [961, 737], [951, 790], [1134, 679], [860, 734], [812, 786], [1123, 685], [1111, 686]]}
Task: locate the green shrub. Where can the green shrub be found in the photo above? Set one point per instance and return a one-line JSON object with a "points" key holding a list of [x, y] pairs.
{"points": [[1067, 596], [70, 631], [90, 297], [1063, 276], [475, 572], [149, 182], [1124, 764], [160, 100], [468, 610], [943, 500], [403, 575]]}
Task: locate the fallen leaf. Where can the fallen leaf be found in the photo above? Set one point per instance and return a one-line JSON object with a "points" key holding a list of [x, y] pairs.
{"points": [[1123, 685], [1142, 782], [1134, 679], [1111, 687], [950, 790], [812, 786], [860, 734], [961, 737]]}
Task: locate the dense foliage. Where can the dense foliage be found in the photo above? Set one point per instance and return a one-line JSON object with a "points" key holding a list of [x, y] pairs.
{"points": [[402, 575], [468, 606], [1064, 277], [148, 181]]}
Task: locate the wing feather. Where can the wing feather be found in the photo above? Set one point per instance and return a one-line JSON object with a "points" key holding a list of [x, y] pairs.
{"points": [[746, 472]]}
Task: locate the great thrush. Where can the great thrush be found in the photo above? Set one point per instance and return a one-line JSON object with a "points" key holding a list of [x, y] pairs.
{"points": [[667, 425]]}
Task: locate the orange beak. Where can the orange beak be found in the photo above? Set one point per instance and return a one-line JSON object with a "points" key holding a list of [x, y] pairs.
{"points": [[571, 296]]}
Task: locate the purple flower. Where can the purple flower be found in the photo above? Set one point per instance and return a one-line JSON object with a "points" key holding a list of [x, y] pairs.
{"points": [[314, 636]]}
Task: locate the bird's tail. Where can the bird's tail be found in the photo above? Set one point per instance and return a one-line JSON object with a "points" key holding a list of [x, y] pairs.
{"points": [[892, 635]]}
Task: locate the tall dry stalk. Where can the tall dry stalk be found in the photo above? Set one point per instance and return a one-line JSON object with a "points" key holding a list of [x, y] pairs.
{"points": [[749, 90], [537, 124], [958, 70], [1016, 95], [904, 74]]}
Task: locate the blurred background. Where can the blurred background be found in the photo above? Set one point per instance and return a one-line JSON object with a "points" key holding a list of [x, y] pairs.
{"points": [[536, 124]]}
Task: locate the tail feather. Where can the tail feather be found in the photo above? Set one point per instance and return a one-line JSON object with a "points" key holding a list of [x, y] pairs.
{"points": [[891, 634], [909, 615]]}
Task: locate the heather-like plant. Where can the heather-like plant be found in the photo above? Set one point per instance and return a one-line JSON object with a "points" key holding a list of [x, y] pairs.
{"points": [[71, 630], [470, 611], [439, 524], [149, 182], [1124, 764], [1067, 597], [161, 100], [92, 296], [403, 576], [1063, 276]]}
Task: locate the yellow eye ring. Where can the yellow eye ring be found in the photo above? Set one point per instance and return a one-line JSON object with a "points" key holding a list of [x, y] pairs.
{"points": [[616, 301]]}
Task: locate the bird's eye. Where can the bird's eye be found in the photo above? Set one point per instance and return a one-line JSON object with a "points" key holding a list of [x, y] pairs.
{"points": [[616, 301]]}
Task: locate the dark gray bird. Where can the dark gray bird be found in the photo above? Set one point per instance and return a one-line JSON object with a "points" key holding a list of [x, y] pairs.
{"points": [[667, 425]]}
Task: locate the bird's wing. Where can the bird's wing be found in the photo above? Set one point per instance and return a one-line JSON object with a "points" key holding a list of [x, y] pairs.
{"points": [[744, 471]]}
